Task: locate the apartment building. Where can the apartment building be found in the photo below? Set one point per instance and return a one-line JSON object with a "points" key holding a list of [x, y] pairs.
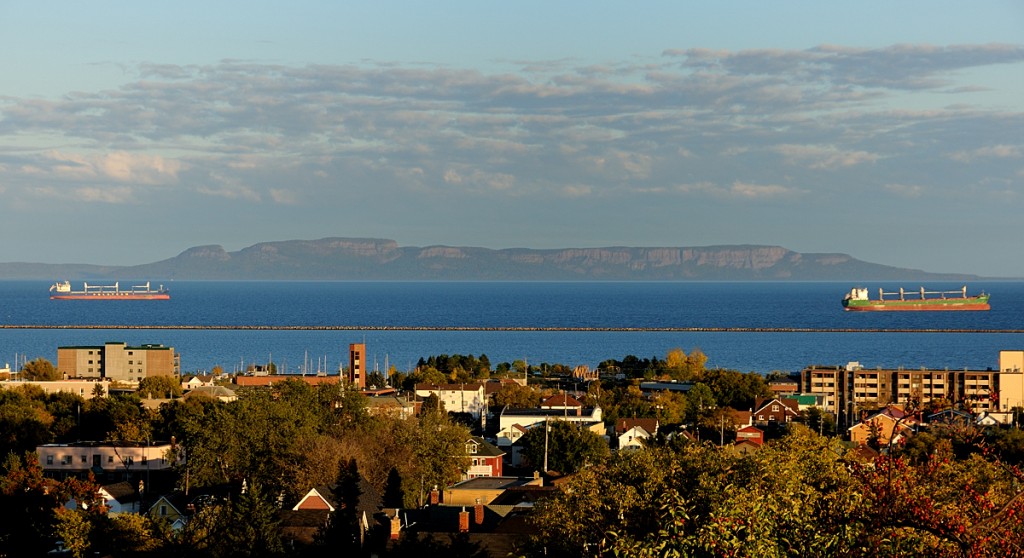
{"points": [[848, 390], [118, 361]]}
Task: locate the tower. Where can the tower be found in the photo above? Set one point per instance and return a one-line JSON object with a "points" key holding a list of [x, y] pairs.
{"points": [[356, 364]]}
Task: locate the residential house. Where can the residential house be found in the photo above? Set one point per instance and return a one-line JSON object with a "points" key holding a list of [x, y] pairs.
{"points": [[485, 459], [631, 432], [170, 508], [391, 405], [220, 393], [300, 524], [775, 410], [483, 490], [563, 402], [889, 425], [469, 398]]}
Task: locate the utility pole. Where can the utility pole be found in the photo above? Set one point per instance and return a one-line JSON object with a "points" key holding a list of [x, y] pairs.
{"points": [[545, 445]]}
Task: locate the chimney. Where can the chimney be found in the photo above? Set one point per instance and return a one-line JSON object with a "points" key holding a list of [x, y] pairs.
{"points": [[478, 512], [396, 526], [435, 496], [463, 521]]}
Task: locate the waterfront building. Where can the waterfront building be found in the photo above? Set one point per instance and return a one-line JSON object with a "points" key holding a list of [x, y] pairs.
{"points": [[116, 361], [846, 391]]}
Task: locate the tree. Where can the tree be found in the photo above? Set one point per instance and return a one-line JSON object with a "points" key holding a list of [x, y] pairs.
{"points": [[40, 369], [160, 387], [567, 446], [253, 525], [342, 532], [516, 396]]}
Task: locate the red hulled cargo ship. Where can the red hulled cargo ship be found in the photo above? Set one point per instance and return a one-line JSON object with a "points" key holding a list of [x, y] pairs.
{"points": [[62, 291]]}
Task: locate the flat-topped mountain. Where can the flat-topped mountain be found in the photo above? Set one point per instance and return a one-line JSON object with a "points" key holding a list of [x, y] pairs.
{"points": [[379, 259]]}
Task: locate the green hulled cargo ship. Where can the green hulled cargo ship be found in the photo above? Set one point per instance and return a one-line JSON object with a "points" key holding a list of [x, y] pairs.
{"points": [[914, 300]]}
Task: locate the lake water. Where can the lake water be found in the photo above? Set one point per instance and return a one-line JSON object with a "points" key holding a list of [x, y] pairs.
{"points": [[617, 314]]}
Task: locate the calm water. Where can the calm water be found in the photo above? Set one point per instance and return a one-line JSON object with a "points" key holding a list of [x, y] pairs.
{"points": [[491, 304]]}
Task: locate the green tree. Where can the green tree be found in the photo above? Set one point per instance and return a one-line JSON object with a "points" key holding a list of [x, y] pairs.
{"points": [[568, 447], [39, 369], [253, 525]]}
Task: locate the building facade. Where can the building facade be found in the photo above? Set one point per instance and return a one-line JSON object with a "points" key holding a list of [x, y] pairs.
{"points": [[846, 391], [116, 361], [357, 365]]}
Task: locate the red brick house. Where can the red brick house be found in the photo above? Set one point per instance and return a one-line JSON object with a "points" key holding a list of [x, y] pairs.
{"points": [[775, 410]]}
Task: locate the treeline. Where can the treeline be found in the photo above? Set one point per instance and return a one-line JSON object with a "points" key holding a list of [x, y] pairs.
{"points": [[802, 495], [279, 442]]}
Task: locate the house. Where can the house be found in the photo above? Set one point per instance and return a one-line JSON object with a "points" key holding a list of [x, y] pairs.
{"points": [[167, 510], [496, 531], [86, 389], [470, 399], [631, 432], [483, 490], [391, 405], [775, 410], [587, 417], [300, 524], [563, 402], [220, 393], [888, 425], [485, 459], [197, 381]]}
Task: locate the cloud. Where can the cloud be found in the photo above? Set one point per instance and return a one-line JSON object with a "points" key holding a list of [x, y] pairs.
{"points": [[118, 167], [823, 157], [989, 152]]}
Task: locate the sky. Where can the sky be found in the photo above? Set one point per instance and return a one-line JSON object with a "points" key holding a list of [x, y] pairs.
{"points": [[890, 131]]}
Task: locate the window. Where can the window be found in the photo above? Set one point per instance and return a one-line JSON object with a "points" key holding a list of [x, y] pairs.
{"points": [[775, 408], [85, 459], [110, 459], [49, 460], [163, 510]]}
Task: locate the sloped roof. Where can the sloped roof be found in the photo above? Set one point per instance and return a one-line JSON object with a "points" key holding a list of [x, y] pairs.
{"points": [[650, 425], [561, 400], [485, 448]]}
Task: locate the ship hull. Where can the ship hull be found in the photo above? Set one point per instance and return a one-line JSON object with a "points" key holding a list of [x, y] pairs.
{"points": [[111, 296], [949, 305]]}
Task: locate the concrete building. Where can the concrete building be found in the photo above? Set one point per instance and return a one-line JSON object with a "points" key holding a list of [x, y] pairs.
{"points": [[846, 391], [116, 361]]}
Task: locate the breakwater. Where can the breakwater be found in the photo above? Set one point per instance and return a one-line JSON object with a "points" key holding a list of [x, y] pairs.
{"points": [[505, 328]]}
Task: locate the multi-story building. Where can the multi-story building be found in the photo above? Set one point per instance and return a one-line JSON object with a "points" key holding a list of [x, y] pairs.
{"points": [[357, 365], [110, 460], [118, 361], [459, 398], [846, 391]]}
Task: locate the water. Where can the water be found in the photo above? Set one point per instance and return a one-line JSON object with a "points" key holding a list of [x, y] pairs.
{"points": [[374, 305]]}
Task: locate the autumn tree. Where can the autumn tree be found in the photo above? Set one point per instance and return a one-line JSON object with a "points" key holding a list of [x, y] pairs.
{"points": [[160, 387], [39, 369]]}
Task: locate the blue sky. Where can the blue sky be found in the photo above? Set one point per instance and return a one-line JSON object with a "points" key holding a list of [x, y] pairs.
{"points": [[894, 132]]}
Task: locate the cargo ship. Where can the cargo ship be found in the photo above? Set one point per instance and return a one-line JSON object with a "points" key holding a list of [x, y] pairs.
{"points": [[62, 291], [914, 300]]}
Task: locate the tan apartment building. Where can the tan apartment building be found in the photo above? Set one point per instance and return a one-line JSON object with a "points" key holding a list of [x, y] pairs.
{"points": [[848, 390], [116, 361]]}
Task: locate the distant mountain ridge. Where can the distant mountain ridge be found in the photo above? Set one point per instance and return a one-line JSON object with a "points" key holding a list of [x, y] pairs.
{"points": [[381, 259]]}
